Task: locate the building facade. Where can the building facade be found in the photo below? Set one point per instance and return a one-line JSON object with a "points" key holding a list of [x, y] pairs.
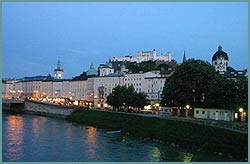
{"points": [[105, 69]]}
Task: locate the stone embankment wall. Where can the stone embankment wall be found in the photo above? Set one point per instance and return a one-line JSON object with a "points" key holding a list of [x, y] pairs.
{"points": [[47, 109]]}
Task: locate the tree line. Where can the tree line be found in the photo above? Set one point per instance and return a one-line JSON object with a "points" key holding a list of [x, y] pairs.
{"points": [[126, 97], [196, 83], [193, 83]]}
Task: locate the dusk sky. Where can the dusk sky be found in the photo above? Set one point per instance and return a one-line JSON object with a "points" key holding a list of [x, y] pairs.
{"points": [[34, 35]]}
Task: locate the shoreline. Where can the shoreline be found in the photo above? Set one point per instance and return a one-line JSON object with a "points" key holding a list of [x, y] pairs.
{"points": [[177, 134]]}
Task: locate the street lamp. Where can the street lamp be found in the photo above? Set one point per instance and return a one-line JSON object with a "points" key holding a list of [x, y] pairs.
{"points": [[241, 113], [241, 109], [187, 108]]}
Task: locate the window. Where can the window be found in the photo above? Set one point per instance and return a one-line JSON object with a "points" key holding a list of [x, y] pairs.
{"points": [[203, 112], [197, 112]]}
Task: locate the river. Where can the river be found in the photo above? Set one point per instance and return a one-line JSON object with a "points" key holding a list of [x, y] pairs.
{"points": [[43, 139]]}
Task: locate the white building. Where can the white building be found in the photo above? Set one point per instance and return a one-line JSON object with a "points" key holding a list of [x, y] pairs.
{"points": [[105, 69], [8, 90], [154, 88], [47, 88], [31, 88], [103, 86], [145, 56], [214, 114], [78, 90], [61, 89]]}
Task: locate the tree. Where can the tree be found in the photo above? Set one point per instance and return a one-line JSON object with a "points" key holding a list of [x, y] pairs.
{"points": [[126, 97], [140, 100], [117, 97], [242, 92], [196, 83]]}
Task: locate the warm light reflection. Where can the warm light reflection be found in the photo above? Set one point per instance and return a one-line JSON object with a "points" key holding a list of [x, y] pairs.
{"points": [[91, 142], [35, 129], [15, 137], [91, 135]]}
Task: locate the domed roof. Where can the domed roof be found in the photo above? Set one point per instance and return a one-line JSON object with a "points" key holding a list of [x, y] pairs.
{"points": [[220, 53], [92, 70]]}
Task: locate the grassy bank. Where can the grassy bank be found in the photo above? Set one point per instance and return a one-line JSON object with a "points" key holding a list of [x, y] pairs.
{"points": [[187, 135]]}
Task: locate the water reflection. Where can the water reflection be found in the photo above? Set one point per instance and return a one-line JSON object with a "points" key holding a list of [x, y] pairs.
{"points": [[31, 138], [15, 137], [35, 129], [91, 142], [156, 154], [185, 157], [124, 139]]}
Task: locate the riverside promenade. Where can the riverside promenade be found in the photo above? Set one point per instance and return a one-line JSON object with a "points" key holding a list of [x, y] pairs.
{"points": [[62, 111], [240, 127]]}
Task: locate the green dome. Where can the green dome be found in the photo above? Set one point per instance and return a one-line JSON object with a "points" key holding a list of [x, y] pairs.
{"points": [[92, 71]]}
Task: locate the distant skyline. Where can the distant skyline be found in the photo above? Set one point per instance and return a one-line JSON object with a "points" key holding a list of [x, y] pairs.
{"points": [[35, 35]]}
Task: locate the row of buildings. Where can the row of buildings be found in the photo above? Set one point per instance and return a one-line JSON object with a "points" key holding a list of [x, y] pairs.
{"points": [[98, 84], [93, 91]]}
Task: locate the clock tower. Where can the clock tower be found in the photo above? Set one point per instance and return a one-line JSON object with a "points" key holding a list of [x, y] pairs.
{"points": [[220, 61], [58, 72]]}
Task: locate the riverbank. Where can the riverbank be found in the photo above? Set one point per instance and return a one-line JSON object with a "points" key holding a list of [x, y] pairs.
{"points": [[174, 133]]}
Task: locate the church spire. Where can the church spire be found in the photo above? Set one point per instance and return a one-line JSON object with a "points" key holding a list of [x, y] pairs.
{"points": [[184, 57], [58, 63], [58, 72]]}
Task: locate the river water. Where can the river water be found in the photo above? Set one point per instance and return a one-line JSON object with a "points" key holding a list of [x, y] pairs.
{"points": [[44, 139]]}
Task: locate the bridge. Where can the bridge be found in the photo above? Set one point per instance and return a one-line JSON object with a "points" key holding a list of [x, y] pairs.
{"points": [[12, 101], [12, 104]]}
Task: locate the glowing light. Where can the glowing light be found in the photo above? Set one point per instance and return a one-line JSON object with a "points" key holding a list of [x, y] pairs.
{"points": [[148, 107], [241, 109], [236, 115]]}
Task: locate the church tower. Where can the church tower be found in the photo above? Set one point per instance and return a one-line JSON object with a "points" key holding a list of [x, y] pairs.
{"points": [[184, 57], [220, 61], [58, 72]]}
